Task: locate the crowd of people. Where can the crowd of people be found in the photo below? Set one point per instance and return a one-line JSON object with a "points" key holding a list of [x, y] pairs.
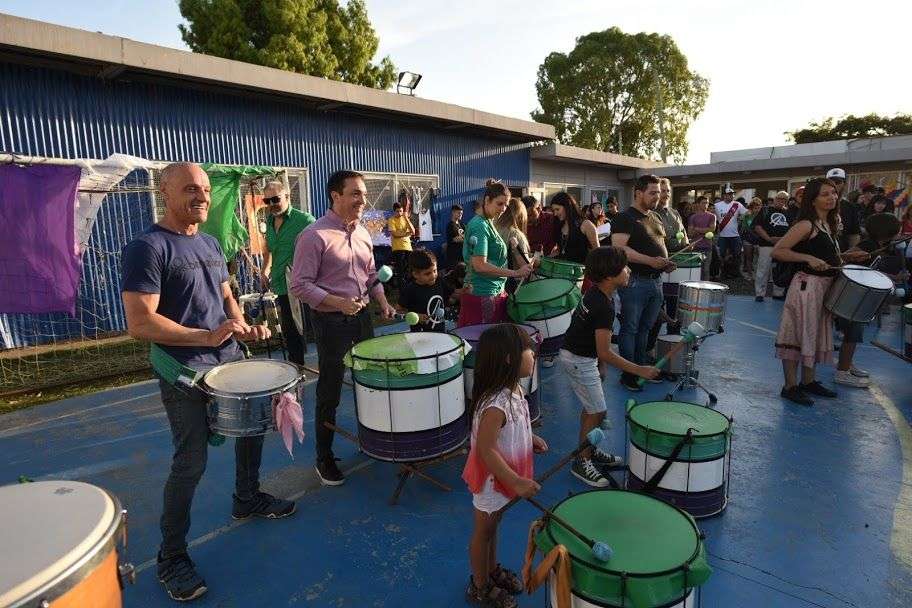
{"points": [[176, 294]]}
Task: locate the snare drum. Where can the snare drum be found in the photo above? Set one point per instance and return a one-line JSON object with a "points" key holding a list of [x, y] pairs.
{"points": [[689, 269], [409, 395], [471, 334], [697, 479], [547, 305], [658, 559], [703, 302], [63, 542], [242, 395], [857, 293], [554, 268]]}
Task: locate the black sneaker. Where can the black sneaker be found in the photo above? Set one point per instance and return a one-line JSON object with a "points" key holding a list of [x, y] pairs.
{"points": [[796, 395], [604, 459], [630, 383], [758, 299], [262, 505], [180, 579], [585, 470], [815, 388], [329, 473]]}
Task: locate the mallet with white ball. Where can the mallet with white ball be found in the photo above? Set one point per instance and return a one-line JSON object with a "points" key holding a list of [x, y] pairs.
{"points": [[708, 236], [693, 332]]}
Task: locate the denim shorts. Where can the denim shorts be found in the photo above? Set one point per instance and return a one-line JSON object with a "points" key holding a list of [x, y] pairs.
{"points": [[583, 374]]}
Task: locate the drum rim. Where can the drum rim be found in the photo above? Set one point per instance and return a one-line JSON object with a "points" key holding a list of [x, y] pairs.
{"points": [[460, 346], [359, 382], [80, 569], [554, 263], [588, 598], [727, 431], [571, 286], [866, 269], [212, 392], [634, 444], [547, 529], [455, 330]]}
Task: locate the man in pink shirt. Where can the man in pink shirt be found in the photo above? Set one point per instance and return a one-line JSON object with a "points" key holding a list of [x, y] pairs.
{"points": [[333, 272]]}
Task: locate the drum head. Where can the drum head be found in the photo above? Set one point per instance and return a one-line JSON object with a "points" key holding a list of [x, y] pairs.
{"points": [[423, 352], [907, 313], [48, 527], [675, 418], [543, 299], [251, 376], [867, 277], [648, 536], [707, 285], [472, 333]]}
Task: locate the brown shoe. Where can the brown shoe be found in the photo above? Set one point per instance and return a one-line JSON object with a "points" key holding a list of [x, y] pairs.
{"points": [[489, 596]]}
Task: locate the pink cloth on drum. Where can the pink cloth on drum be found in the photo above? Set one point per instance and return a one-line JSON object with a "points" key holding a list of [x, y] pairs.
{"points": [[806, 329], [289, 419], [481, 309]]}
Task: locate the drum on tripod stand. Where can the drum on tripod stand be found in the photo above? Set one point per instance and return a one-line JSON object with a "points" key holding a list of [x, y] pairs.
{"points": [[703, 302]]}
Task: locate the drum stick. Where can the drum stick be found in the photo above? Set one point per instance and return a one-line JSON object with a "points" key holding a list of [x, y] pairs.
{"points": [[514, 243], [691, 246], [593, 437], [600, 550], [892, 351], [693, 331]]}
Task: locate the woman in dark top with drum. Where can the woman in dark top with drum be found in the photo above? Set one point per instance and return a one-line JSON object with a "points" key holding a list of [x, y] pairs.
{"points": [[575, 235], [806, 329]]}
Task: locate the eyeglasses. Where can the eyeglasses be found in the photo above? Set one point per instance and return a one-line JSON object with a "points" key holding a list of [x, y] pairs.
{"points": [[273, 200]]}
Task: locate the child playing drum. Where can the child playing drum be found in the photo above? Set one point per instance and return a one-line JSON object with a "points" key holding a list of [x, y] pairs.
{"points": [[499, 466], [586, 345]]}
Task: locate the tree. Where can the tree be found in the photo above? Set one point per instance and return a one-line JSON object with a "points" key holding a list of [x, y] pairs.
{"points": [[610, 91], [852, 127], [316, 37]]}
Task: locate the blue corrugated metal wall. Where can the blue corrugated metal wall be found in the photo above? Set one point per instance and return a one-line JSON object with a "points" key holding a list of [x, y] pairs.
{"points": [[58, 114]]}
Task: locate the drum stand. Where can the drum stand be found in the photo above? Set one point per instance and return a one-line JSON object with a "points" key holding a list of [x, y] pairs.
{"points": [[689, 376], [407, 469]]}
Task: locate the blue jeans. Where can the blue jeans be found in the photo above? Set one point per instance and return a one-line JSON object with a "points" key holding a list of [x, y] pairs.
{"points": [[729, 245], [190, 435], [640, 304]]}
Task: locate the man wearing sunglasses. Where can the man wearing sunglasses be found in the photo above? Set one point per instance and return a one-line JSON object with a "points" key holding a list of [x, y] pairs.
{"points": [[283, 225]]}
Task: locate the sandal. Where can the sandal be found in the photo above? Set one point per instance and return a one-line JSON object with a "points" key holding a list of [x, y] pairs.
{"points": [[490, 596], [507, 580]]}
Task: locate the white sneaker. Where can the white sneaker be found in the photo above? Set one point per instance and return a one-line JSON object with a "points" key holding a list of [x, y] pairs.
{"points": [[846, 378], [858, 373], [547, 362]]}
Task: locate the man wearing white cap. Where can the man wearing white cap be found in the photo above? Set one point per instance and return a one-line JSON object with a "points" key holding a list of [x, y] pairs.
{"points": [[849, 213], [728, 213]]}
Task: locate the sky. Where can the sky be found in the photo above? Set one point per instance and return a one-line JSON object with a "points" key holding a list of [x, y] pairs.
{"points": [[773, 65]]}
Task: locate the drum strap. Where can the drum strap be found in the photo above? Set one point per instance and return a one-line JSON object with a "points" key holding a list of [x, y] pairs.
{"points": [[656, 479], [558, 559], [171, 370]]}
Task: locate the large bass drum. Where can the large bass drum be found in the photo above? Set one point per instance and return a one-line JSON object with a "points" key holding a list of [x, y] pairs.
{"points": [[409, 395]]}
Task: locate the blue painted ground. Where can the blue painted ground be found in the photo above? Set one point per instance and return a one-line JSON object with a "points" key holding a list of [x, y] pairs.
{"points": [[809, 523]]}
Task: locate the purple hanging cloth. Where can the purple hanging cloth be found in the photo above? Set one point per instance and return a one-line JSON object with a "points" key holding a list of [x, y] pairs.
{"points": [[39, 264]]}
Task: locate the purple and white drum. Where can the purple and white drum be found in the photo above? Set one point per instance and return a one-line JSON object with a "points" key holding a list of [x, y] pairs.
{"points": [[471, 334]]}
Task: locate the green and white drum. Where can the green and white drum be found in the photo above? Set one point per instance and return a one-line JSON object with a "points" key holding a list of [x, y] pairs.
{"points": [[689, 268], [696, 478], [547, 305], [554, 268], [409, 395], [658, 559], [907, 328]]}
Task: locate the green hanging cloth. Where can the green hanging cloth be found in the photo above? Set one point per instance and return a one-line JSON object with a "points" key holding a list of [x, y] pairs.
{"points": [[223, 222]]}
